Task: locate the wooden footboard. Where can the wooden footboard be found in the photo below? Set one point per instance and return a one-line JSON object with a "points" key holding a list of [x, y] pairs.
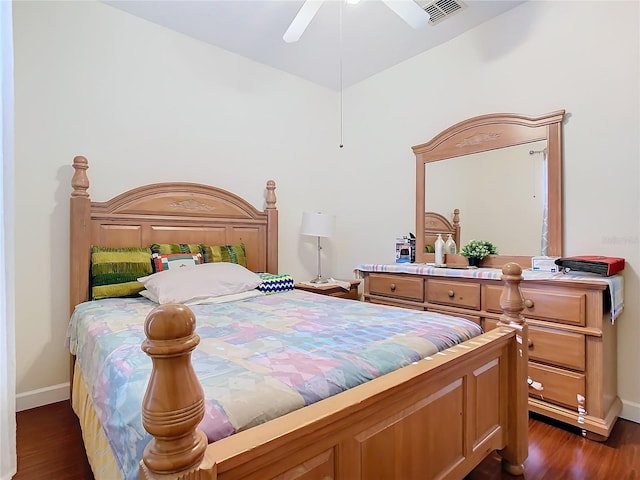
{"points": [[437, 418]]}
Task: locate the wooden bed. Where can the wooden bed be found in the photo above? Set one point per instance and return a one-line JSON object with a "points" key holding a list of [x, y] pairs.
{"points": [[437, 418], [436, 223]]}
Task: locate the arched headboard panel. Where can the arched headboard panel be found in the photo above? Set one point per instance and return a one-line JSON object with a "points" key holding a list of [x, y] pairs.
{"points": [[175, 212]]}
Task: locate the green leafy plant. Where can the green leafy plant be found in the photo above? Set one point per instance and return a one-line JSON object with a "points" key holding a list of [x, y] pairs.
{"points": [[478, 249]]}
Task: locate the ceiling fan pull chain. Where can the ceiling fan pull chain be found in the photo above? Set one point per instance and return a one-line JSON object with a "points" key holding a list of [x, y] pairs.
{"points": [[341, 82]]}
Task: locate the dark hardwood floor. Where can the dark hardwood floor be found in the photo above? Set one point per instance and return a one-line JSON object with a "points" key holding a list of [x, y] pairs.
{"points": [[50, 448]]}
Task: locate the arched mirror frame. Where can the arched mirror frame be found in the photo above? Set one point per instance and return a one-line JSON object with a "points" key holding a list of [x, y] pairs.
{"points": [[490, 132]]}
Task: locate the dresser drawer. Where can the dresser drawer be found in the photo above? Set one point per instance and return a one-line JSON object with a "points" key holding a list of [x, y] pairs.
{"points": [[559, 386], [456, 294], [561, 348], [409, 287], [557, 305]]}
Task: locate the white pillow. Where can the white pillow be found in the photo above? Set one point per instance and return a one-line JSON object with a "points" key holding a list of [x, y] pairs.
{"points": [[199, 282], [211, 300]]}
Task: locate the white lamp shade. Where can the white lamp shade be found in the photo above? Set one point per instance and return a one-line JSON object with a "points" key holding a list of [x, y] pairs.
{"points": [[317, 224]]}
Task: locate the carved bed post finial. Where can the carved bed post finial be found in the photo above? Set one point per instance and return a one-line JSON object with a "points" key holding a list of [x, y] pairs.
{"points": [[511, 300], [512, 304], [456, 228], [456, 217], [173, 404], [80, 181], [271, 195]]}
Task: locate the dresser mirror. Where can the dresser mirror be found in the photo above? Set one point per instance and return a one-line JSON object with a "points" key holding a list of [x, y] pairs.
{"points": [[498, 169]]}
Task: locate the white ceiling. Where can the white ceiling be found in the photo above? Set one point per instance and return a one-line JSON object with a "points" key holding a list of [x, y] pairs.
{"points": [[373, 37]]}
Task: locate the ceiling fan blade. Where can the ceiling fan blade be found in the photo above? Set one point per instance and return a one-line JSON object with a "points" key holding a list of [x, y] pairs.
{"points": [[409, 11], [301, 20]]}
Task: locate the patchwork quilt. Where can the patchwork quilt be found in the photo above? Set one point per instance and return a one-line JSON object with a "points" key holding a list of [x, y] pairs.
{"points": [[258, 358]]}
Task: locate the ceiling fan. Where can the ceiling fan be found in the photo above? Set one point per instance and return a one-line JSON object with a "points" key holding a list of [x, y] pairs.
{"points": [[408, 10]]}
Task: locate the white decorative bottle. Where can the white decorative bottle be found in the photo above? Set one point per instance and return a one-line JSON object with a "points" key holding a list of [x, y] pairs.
{"points": [[439, 250], [450, 246]]}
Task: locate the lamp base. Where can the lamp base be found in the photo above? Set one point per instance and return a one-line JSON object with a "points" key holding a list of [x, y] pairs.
{"points": [[319, 280]]}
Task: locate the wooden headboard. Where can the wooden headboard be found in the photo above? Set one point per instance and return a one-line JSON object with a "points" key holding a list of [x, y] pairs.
{"points": [[175, 212], [435, 223]]}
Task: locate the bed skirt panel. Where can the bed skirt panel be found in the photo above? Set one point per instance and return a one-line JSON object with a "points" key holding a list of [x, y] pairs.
{"points": [[103, 462]]}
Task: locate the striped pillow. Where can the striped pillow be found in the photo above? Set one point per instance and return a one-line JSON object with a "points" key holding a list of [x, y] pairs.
{"points": [[275, 283], [114, 271], [225, 253], [165, 248]]}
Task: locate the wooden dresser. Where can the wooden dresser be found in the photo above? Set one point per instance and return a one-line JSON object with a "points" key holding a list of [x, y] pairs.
{"points": [[572, 340]]}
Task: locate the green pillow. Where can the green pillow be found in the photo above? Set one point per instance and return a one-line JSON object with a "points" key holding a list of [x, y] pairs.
{"points": [[225, 253], [165, 248], [115, 271]]}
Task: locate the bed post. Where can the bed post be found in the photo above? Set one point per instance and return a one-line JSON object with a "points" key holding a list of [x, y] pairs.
{"points": [[173, 404], [511, 302], [272, 228], [80, 213]]}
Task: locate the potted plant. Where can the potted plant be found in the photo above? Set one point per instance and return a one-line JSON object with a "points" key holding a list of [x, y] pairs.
{"points": [[476, 250]]}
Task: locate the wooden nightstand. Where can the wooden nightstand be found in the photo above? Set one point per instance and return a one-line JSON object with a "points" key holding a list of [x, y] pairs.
{"points": [[333, 290]]}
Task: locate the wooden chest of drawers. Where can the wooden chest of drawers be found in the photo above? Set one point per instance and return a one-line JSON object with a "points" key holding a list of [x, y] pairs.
{"points": [[572, 342]]}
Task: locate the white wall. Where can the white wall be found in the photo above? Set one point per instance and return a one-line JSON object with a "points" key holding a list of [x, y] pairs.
{"points": [[143, 104], [132, 96]]}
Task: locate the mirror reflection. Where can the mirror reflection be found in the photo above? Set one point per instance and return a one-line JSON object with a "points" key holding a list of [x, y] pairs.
{"points": [[501, 195], [491, 195]]}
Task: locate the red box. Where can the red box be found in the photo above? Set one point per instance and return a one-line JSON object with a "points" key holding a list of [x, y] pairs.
{"points": [[599, 264]]}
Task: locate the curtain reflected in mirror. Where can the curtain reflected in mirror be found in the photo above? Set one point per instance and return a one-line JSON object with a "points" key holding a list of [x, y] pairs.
{"points": [[501, 194]]}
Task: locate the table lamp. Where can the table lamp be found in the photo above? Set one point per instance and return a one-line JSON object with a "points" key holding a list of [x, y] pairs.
{"points": [[318, 225]]}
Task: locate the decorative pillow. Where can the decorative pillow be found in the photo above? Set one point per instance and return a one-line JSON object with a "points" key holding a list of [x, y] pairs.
{"points": [[114, 271], [164, 248], [167, 261], [275, 283], [183, 285], [225, 253]]}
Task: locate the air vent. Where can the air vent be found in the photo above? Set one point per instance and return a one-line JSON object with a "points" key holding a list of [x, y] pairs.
{"points": [[442, 9]]}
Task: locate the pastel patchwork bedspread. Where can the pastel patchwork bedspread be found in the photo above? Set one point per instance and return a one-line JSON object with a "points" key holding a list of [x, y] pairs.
{"points": [[258, 358]]}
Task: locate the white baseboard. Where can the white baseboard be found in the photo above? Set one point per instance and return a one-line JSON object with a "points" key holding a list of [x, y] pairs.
{"points": [[630, 411], [42, 396]]}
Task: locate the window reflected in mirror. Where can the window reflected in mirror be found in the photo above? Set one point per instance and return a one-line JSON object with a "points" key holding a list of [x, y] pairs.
{"points": [[501, 195]]}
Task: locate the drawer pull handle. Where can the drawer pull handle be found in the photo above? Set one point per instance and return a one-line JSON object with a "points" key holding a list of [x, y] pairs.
{"points": [[530, 343], [535, 385], [450, 293], [392, 287], [528, 303]]}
